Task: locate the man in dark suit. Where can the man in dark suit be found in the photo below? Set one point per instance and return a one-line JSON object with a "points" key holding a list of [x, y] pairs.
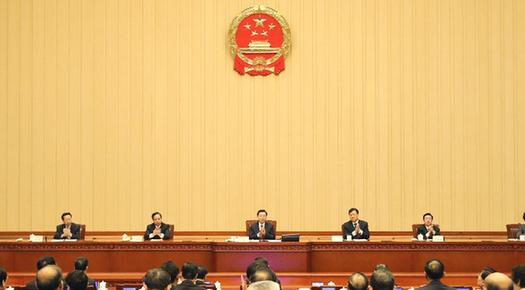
{"points": [[189, 275], [427, 229], [157, 279], [262, 230], [434, 271], [158, 229], [355, 228], [68, 229], [41, 263]]}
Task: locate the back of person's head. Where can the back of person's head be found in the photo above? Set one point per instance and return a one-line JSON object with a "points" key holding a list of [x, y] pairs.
{"points": [[382, 280], [263, 273], [498, 281], [49, 278], [262, 260], [486, 271], [202, 272], [189, 271], [157, 279], [256, 264], [518, 275], [3, 276], [357, 281], [77, 280], [81, 264], [264, 285], [172, 269], [434, 269], [382, 267], [44, 261]]}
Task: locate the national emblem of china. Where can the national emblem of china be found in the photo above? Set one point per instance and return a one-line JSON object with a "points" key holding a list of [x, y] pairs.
{"points": [[259, 41]]}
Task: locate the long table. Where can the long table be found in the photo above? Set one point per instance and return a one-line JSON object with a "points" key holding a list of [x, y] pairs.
{"points": [[307, 257]]}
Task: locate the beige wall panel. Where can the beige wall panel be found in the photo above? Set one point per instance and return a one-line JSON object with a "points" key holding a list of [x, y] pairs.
{"points": [[113, 109]]}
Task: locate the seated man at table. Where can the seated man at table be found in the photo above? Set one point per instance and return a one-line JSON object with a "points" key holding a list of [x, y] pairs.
{"points": [[41, 263], [189, 275], [261, 230], [355, 228], [427, 229], [158, 229], [521, 231], [68, 229], [157, 279]]}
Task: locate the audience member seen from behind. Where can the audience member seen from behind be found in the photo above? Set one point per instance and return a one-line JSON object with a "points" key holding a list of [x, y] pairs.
{"points": [[189, 275], [41, 263], [434, 272], [357, 281], [77, 280], [173, 271], [518, 276], [157, 279], [498, 281], [49, 278]]}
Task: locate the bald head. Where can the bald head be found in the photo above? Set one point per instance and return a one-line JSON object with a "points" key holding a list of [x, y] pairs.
{"points": [[498, 281], [49, 278], [357, 281]]}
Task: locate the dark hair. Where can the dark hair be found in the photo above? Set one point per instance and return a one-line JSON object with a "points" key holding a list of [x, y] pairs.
{"points": [[81, 264], [44, 261], [202, 272], [172, 269], [262, 210], [50, 282], [77, 280], [353, 209], [157, 279], [518, 275], [434, 269], [156, 213], [258, 263], [524, 216], [64, 214], [429, 215], [262, 260], [3, 275], [486, 271], [355, 284], [381, 267], [189, 271], [382, 280]]}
